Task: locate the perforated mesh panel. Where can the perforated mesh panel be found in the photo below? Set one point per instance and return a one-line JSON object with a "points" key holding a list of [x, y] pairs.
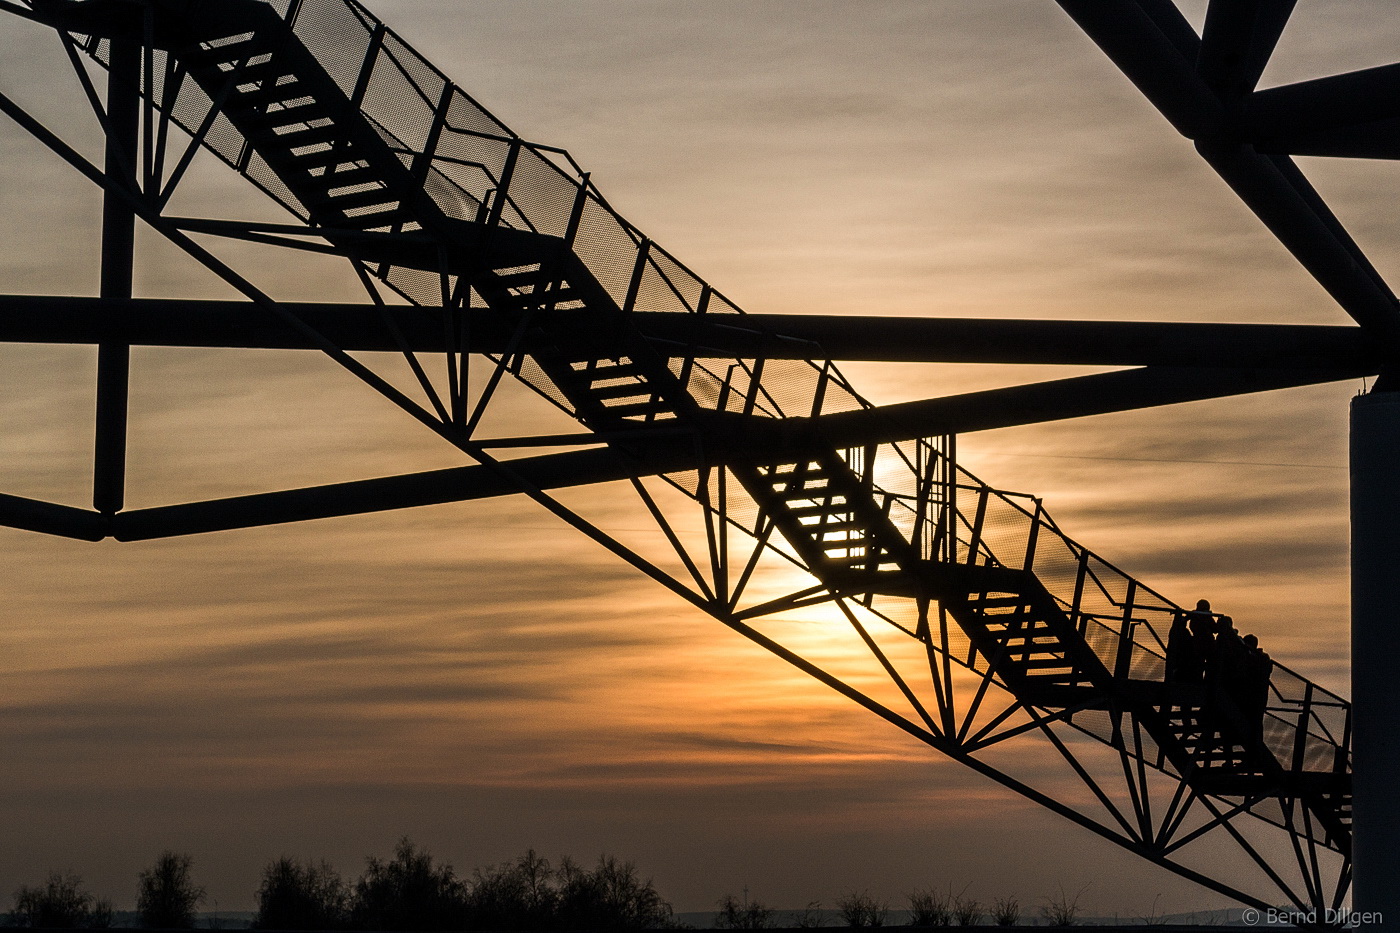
{"points": [[396, 104], [685, 285], [541, 195], [606, 248], [338, 36]]}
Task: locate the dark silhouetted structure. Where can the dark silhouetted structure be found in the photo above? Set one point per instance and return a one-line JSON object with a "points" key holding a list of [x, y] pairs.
{"points": [[738, 435]]}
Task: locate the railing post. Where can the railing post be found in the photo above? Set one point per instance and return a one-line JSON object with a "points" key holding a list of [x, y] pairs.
{"points": [[975, 541], [1341, 760], [1032, 535], [376, 42], [576, 212], [498, 202], [1300, 738], [755, 386], [923, 492], [1123, 660], [725, 388], [819, 395], [1075, 615], [639, 269], [423, 161], [950, 497]]}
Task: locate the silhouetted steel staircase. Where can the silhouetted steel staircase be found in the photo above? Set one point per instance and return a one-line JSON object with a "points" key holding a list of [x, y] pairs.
{"points": [[1061, 630], [294, 116], [1041, 645]]}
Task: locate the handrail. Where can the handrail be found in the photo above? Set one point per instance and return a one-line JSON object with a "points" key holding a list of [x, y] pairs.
{"points": [[1301, 728]]}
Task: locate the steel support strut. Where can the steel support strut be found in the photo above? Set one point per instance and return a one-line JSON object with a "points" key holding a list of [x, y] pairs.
{"points": [[118, 249], [1375, 643]]}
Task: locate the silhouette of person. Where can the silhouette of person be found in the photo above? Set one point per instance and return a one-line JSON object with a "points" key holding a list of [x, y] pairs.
{"points": [[1234, 684], [1183, 665], [1254, 690], [1197, 656], [1225, 669], [1200, 623]]}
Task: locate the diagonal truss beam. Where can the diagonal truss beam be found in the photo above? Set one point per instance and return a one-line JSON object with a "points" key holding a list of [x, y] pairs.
{"points": [[727, 440], [1349, 115], [1039, 402], [359, 327], [1237, 41], [1154, 46], [1276, 191], [50, 518], [1145, 40], [458, 484]]}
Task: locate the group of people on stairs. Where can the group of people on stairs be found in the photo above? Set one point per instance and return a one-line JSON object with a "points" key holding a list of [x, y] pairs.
{"points": [[1205, 649]]}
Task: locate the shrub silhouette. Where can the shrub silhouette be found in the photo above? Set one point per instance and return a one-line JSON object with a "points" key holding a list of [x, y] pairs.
{"points": [[60, 902], [517, 895], [928, 908], [408, 892], [611, 897], [967, 912], [1062, 910], [1006, 911], [862, 911], [744, 915], [166, 896], [294, 896], [528, 894]]}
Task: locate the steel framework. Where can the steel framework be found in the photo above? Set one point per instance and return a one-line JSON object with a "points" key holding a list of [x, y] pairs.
{"points": [[1002, 639]]}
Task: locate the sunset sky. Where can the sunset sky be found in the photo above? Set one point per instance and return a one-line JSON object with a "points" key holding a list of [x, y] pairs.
{"points": [[482, 679]]}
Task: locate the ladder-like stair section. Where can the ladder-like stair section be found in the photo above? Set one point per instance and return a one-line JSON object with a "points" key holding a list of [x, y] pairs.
{"points": [[829, 516], [339, 168], [297, 119]]}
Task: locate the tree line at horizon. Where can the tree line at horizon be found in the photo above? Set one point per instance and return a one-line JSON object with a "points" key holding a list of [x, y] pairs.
{"points": [[410, 892]]}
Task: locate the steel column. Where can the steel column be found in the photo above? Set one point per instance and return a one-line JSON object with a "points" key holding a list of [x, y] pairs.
{"points": [[118, 253], [1375, 644]]}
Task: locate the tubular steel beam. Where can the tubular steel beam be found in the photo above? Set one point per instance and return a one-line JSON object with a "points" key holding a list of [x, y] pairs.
{"points": [[730, 440], [1287, 204], [1165, 70], [1001, 340], [1375, 589], [551, 471], [1052, 401], [118, 240], [1338, 115], [354, 327], [1149, 44], [52, 519], [1237, 41]]}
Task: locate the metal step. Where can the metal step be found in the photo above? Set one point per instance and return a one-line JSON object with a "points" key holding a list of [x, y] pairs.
{"points": [[306, 110], [264, 93], [351, 200], [205, 56], [622, 390], [300, 138], [649, 409]]}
